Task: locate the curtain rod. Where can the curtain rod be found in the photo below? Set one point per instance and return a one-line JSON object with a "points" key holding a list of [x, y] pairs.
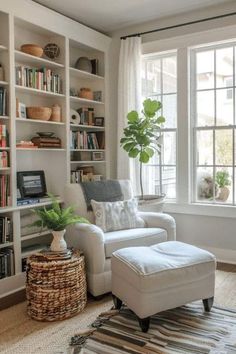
{"points": [[178, 25]]}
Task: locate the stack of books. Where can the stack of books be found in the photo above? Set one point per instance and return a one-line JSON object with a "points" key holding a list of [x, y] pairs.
{"points": [[86, 115], [3, 101], [4, 190], [3, 159], [42, 142], [84, 140], [6, 234], [42, 79], [3, 135], [6, 262]]}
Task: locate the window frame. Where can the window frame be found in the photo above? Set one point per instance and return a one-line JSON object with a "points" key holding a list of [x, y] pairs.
{"points": [[161, 165], [193, 114], [183, 44]]}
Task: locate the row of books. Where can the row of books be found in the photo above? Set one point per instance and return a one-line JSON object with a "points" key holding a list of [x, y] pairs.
{"points": [[86, 115], [3, 101], [83, 140], [6, 262], [3, 135], [3, 159], [79, 176], [41, 79], [4, 190], [6, 232], [31, 201]]}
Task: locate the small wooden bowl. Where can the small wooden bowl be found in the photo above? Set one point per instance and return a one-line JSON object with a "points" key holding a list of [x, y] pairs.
{"points": [[32, 49], [40, 113]]}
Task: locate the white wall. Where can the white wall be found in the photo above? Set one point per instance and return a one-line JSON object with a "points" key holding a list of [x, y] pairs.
{"points": [[215, 233]]}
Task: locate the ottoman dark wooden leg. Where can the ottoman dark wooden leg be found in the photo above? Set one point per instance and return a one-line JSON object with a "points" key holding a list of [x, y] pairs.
{"points": [[117, 302], [207, 303], [144, 324]]}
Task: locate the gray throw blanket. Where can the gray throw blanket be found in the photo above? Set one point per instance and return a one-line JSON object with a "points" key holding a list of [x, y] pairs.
{"points": [[101, 191]]}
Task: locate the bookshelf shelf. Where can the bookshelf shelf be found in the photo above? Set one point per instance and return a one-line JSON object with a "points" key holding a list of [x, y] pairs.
{"points": [[85, 75], [7, 244], [58, 164], [25, 58], [3, 48], [39, 149], [37, 121], [38, 92], [83, 100], [86, 127], [87, 162], [4, 83], [90, 150], [34, 235]]}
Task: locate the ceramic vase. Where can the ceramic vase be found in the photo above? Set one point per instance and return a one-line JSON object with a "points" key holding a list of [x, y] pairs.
{"points": [[58, 244]]}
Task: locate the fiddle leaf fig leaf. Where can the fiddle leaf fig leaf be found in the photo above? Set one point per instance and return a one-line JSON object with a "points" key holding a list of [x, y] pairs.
{"points": [[133, 152], [161, 120], [127, 147], [149, 151], [151, 107], [144, 157], [132, 116]]}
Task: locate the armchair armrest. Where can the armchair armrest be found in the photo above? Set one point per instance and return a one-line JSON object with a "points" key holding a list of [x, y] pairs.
{"points": [[161, 220], [90, 239]]}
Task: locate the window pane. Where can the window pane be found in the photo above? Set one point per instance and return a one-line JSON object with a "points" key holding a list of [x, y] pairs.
{"points": [[223, 147], [169, 148], [205, 184], [169, 181], [205, 70], [205, 147], [224, 185], [151, 179], [169, 103], [224, 108], [153, 81], [169, 74], [224, 67], [205, 108]]}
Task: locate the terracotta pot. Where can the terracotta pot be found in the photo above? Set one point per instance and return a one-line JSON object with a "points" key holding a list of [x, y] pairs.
{"points": [[223, 194], [58, 243], [86, 93]]}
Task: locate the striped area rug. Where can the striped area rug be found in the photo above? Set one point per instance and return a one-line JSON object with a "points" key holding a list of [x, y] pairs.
{"points": [[185, 330]]}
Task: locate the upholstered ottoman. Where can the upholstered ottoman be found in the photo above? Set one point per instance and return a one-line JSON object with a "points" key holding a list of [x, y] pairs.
{"points": [[153, 279]]}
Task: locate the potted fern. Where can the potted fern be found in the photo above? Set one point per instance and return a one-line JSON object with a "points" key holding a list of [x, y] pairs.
{"points": [[57, 219], [142, 136]]}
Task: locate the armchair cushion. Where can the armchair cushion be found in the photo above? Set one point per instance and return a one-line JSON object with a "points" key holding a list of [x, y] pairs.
{"points": [[119, 215], [116, 240]]}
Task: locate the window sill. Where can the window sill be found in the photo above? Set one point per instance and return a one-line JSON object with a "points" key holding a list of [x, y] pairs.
{"points": [[223, 211]]}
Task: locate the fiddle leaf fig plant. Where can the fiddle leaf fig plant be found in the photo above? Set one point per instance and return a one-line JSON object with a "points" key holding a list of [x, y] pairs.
{"points": [[142, 136]]}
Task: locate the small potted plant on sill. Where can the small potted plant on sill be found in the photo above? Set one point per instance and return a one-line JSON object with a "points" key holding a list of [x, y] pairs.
{"points": [[56, 219], [142, 139], [223, 181]]}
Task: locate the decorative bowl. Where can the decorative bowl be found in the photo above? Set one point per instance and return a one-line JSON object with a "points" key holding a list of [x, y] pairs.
{"points": [[45, 134], [32, 49], [86, 93], [84, 64], [40, 113]]}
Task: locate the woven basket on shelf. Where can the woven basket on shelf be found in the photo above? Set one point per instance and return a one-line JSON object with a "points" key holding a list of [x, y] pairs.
{"points": [[55, 290], [40, 113]]}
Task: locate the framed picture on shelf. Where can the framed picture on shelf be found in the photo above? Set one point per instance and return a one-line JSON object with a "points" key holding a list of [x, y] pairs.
{"points": [[99, 121], [97, 156], [22, 110]]}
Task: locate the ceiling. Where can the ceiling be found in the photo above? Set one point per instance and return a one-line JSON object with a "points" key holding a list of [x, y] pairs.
{"points": [[109, 15]]}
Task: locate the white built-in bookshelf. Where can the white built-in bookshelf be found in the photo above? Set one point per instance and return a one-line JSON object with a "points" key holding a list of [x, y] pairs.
{"points": [[31, 23]]}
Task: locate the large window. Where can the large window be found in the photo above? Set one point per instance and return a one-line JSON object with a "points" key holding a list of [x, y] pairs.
{"points": [[213, 123], [159, 81]]}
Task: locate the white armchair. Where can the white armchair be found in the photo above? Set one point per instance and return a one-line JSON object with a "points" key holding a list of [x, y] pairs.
{"points": [[99, 246]]}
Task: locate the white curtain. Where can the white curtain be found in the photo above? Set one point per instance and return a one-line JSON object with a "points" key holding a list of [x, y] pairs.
{"points": [[129, 98]]}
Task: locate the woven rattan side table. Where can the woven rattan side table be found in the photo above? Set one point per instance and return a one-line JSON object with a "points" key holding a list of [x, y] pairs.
{"points": [[55, 289]]}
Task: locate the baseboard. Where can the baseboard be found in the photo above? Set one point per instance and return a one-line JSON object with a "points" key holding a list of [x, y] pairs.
{"points": [[12, 299], [222, 255]]}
